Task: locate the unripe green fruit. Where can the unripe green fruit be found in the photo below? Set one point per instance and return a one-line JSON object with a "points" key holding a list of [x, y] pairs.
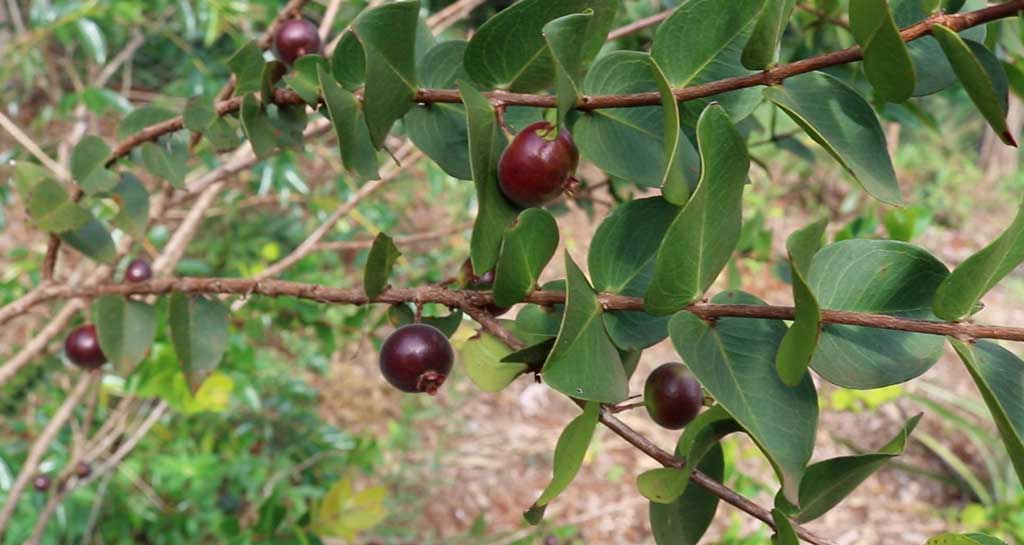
{"points": [[672, 396]]}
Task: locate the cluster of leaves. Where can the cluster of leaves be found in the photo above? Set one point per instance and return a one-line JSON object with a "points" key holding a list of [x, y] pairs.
{"points": [[668, 250]]}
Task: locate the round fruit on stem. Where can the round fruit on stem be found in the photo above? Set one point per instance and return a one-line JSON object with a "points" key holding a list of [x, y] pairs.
{"points": [[82, 347], [535, 167], [82, 470], [41, 483], [295, 38], [138, 270], [672, 396], [416, 358]]}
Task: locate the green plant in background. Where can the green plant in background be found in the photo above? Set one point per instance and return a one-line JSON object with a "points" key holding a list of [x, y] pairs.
{"points": [[227, 334]]}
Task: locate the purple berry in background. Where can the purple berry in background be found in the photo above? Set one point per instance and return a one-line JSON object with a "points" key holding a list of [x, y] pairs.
{"points": [[82, 347], [138, 270]]}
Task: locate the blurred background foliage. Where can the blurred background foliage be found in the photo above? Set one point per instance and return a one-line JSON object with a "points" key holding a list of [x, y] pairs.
{"points": [[260, 453]]}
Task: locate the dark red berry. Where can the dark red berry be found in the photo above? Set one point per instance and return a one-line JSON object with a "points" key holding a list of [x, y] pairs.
{"points": [[672, 395], [41, 483], [83, 347], [471, 281], [295, 38], [138, 270], [536, 166], [416, 358], [82, 470]]}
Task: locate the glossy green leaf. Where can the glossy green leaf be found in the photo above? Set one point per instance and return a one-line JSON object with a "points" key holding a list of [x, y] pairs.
{"points": [[509, 50], [25, 176], [199, 114], [92, 39], [713, 39], [482, 358], [662, 485], [828, 482], [536, 324], [562, 36], [704, 233], [257, 127], [676, 186], [957, 296], [982, 77], [569, 452], [628, 143], [705, 431], [87, 165], [486, 143], [287, 122], [126, 330], [528, 246], [52, 209], [304, 78], [759, 53], [382, 258], [973, 538], [801, 339], [133, 206], [199, 333], [734, 361], [881, 277], [93, 240], [357, 153], [997, 373], [584, 363], [685, 520], [621, 261], [348, 62], [223, 135], [247, 66], [784, 532], [388, 36], [700, 437], [167, 160], [839, 119], [533, 355], [272, 73], [439, 129], [887, 61], [934, 72]]}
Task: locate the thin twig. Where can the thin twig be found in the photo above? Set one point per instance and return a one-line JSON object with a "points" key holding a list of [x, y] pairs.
{"points": [[725, 493], [38, 449], [773, 76], [639, 24], [823, 15], [406, 240], [479, 299], [30, 145]]}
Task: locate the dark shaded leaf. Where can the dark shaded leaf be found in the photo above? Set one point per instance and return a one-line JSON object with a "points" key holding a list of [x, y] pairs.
{"points": [[382, 258]]}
